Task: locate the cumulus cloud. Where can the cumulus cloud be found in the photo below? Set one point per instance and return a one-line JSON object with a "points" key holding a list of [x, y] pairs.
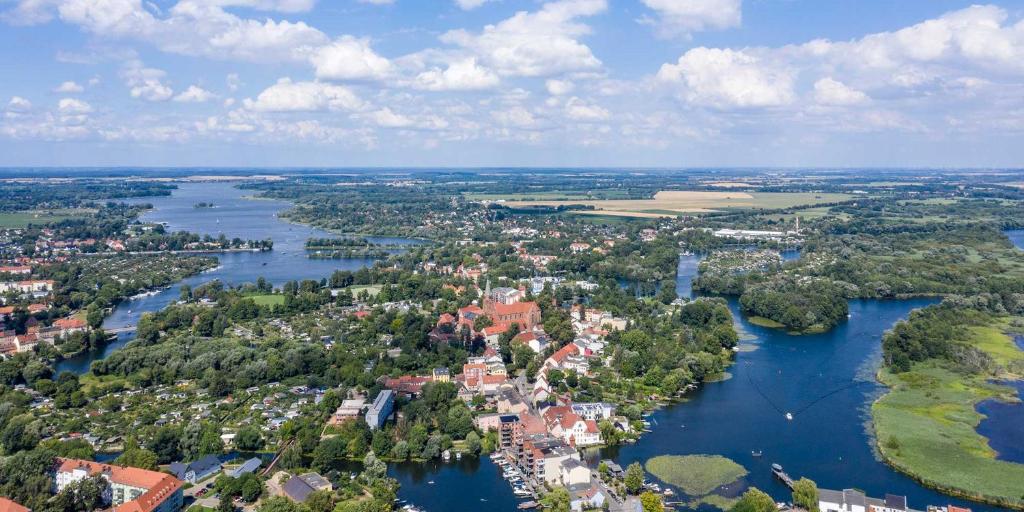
{"points": [[682, 17], [72, 106], [580, 110], [559, 87], [462, 75], [727, 78], [469, 5], [68, 87], [146, 83], [349, 58], [19, 104], [540, 43], [194, 94], [288, 96], [831, 92], [189, 27]]}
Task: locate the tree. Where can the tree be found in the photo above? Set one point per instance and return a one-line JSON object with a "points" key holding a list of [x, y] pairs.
{"points": [[279, 504], [755, 500], [634, 478], [248, 439], [651, 502], [252, 487], [320, 501], [225, 504], [165, 444], [805, 494], [473, 444], [557, 500], [137, 457]]}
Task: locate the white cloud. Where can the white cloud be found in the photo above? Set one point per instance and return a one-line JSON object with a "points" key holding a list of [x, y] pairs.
{"points": [[146, 83], [539, 43], [831, 92], [727, 78], [377, 2], [559, 87], [72, 106], [290, 6], [469, 5], [194, 94], [515, 116], [682, 17], [68, 87], [189, 27], [288, 96], [349, 58], [19, 104], [388, 119], [580, 110], [462, 75], [233, 82]]}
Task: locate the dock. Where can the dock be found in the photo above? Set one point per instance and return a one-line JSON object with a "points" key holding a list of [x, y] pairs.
{"points": [[782, 475]]}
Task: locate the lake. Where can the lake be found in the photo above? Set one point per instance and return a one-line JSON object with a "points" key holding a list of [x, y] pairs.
{"points": [[234, 214]]}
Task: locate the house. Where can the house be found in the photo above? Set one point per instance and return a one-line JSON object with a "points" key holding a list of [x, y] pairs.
{"points": [[573, 472], [563, 423], [70, 325], [442, 375], [249, 466], [381, 409], [587, 499], [594, 410], [569, 357], [542, 458], [197, 470], [407, 385], [131, 489], [505, 295], [349, 410], [852, 500], [536, 339], [7, 505], [298, 488]]}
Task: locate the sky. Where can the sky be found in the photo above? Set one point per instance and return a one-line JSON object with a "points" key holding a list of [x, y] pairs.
{"points": [[533, 83]]}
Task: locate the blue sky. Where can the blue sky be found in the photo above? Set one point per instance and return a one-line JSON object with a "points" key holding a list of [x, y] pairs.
{"points": [[624, 83]]}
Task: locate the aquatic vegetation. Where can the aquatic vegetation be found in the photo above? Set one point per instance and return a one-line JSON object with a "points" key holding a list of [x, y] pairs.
{"points": [[696, 475]]}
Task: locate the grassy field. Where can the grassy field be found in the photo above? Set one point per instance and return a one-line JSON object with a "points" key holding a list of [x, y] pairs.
{"points": [[551, 195], [674, 202], [696, 475], [37, 217], [925, 426], [371, 290], [268, 300]]}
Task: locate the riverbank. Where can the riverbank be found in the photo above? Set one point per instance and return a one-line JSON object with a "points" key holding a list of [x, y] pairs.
{"points": [[925, 425]]}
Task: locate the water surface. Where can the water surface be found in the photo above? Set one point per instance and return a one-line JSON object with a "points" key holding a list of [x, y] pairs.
{"points": [[234, 214]]}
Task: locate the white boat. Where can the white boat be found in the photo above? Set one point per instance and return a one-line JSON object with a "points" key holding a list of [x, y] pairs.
{"points": [[789, 416]]}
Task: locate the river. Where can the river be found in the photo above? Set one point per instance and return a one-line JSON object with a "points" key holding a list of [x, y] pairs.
{"points": [[234, 214], [826, 380]]}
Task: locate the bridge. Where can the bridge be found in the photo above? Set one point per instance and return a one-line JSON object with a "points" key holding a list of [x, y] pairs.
{"points": [[119, 330]]}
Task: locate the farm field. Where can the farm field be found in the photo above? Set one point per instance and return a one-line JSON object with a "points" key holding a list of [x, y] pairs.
{"points": [[673, 202], [38, 217]]}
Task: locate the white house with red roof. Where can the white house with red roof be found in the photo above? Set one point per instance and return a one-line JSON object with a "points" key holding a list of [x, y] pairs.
{"points": [[131, 489]]}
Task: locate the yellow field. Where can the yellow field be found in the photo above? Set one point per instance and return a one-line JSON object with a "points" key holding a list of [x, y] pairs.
{"points": [[669, 203]]}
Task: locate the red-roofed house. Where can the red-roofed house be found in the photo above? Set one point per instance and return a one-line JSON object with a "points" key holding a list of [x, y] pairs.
{"points": [[408, 385], [7, 505], [562, 422], [70, 325], [131, 489]]}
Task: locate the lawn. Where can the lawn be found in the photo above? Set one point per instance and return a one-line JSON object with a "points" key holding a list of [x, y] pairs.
{"points": [[38, 217], [268, 299], [372, 290], [925, 425], [695, 475], [675, 202]]}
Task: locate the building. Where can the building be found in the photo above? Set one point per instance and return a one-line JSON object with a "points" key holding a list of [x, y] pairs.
{"points": [[565, 424], [197, 470], [442, 375], [131, 489], [852, 500], [381, 409], [505, 295], [249, 466], [7, 505], [594, 410], [573, 472], [349, 410], [299, 488]]}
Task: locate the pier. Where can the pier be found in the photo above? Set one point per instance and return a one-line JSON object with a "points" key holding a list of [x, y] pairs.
{"points": [[782, 475]]}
